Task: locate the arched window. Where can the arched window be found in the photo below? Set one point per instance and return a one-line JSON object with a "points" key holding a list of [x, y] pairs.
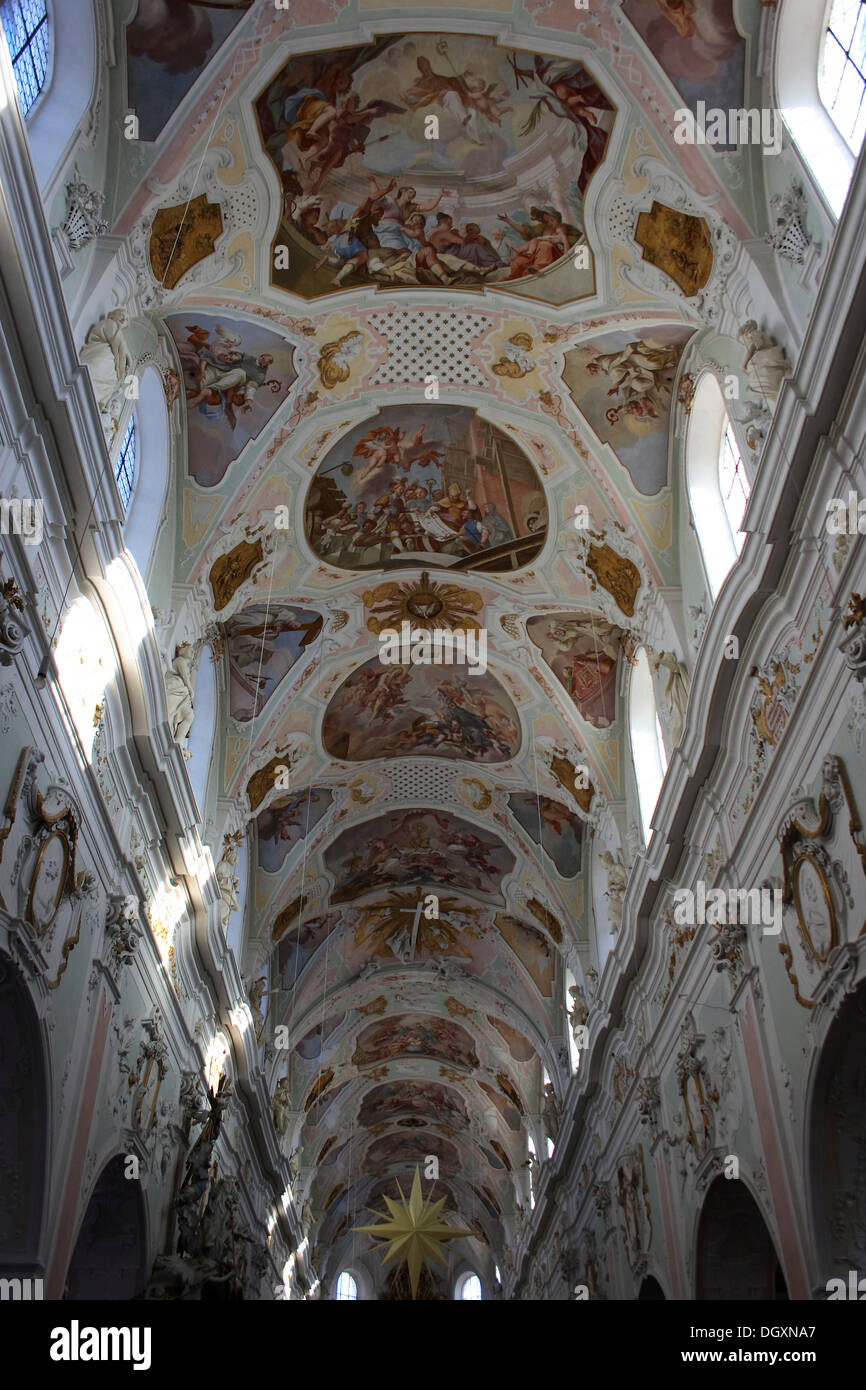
{"points": [[202, 735], [841, 79], [647, 743], [716, 481], [25, 26], [734, 484], [819, 88], [85, 663], [468, 1288], [148, 512], [347, 1288], [125, 464]]}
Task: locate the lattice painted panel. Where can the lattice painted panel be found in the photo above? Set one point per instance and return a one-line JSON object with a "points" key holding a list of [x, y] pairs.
{"points": [[422, 343]]}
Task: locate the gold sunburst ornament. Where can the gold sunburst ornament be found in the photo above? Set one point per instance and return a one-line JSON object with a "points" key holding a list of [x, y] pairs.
{"points": [[413, 1231]]}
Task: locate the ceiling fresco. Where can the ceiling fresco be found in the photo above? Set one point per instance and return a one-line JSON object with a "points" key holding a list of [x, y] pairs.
{"points": [[433, 485], [624, 387], [583, 652], [551, 825], [168, 45], [417, 298], [288, 821], [372, 196], [264, 642], [235, 375], [416, 847], [697, 45], [419, 710]]}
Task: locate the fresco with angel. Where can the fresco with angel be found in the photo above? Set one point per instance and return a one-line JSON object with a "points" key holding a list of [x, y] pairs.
{"points": [[430, 484], [417, 159]]}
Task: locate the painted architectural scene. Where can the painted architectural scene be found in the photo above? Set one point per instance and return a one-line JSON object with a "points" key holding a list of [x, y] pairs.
{"points": [[426, 484]]}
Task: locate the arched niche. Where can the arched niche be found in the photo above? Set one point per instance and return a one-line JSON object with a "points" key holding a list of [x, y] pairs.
{"points": [[110, 1255], [650, 1291], [150, 491], [23, 1125], [68, 93], [736, 1258], [203, 731], [837, 1124]]}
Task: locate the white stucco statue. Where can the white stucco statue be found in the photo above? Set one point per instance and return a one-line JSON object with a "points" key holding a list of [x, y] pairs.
{"points": [[676, 692], [229, 883], [179, 690], [617, 881], [281, 1106], [579, 1012], [551, 1111], [256, 994], [766, 364], [106, 356]]}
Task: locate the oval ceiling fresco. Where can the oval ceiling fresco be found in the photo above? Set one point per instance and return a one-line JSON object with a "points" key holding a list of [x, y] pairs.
{"points": [[426, 484], [402, 711], [416, 159]]}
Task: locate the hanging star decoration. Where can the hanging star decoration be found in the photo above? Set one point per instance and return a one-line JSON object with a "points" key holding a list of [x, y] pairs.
{"points": [[413, 1231]]}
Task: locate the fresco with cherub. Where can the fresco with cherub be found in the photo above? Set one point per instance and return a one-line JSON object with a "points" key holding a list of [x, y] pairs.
{"points": [[430, 159], [435, 485]]}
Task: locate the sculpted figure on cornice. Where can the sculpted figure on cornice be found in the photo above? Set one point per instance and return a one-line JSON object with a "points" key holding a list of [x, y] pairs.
{"points": [[617, 882], [675, 695], [228, 881], [107, 358], [179, 691], [766, 364]]}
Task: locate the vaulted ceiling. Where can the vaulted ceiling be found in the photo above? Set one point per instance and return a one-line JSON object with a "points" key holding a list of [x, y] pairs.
{"points": [[372, 320]]}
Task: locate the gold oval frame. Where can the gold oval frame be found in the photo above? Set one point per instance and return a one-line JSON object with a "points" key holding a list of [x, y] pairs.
{"points": [[42, 928], [825, 887]]}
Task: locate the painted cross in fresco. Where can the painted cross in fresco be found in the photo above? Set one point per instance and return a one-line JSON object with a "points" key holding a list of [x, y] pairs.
{"points": [[429, 904]]}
